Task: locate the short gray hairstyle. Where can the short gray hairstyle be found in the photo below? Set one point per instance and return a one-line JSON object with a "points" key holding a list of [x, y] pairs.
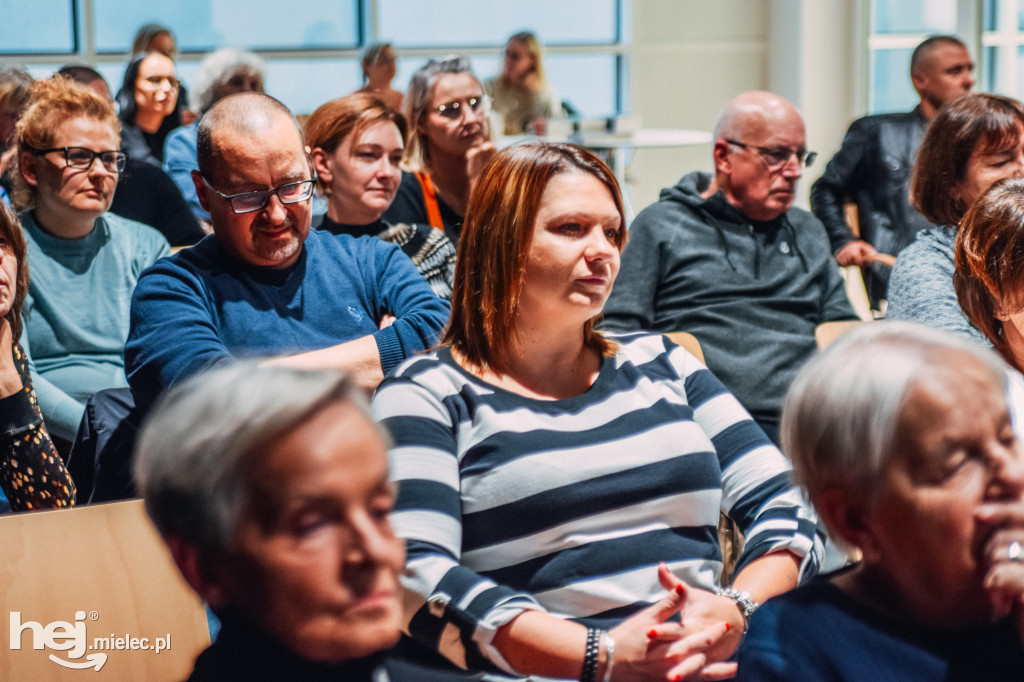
{"points": [[841, 412], [217, 69], [204, 433], [417, 100]]}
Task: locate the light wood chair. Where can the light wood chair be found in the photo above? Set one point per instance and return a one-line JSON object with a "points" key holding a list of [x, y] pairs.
{"points": [[827, 332], [730, 539], [687, 341], [108, 562]]}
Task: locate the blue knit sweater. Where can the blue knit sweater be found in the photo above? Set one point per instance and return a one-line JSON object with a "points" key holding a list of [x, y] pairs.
{"points": [[202, 308]]}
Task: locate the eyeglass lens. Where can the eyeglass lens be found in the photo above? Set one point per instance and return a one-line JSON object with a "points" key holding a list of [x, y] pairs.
{"points": [[453, 110], [291, 193], [80, 157]]}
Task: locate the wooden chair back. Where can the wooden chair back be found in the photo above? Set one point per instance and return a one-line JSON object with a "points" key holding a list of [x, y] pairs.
{"points": [[103, 571]]}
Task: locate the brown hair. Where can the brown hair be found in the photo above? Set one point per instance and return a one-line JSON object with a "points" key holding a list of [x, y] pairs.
{"points": [[10, 227], [495, 243], [340, 118], [53, 102], [989, 276], [981, 121]]}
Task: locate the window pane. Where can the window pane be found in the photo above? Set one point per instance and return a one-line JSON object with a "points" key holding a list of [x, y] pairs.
{"points": [[289, 81], [989, 12], [456, 22], [890, 76], [913, 16], [37, 26], [990, 70], [203, 25]]}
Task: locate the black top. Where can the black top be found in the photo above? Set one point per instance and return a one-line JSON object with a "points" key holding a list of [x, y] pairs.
{"points": [[244, 652], [818, 632], [147, 194], [409, 207]]}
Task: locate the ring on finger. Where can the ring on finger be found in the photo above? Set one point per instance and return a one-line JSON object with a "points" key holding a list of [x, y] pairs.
{"points": [[1015, 552]]}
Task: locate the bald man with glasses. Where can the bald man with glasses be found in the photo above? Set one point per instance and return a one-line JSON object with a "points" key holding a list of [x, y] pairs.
{"points": [[264, 284], [726, 257]]}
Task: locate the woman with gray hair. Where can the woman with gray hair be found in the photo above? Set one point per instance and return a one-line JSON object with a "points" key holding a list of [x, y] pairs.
{"points": [[222, 73], [270, 487], [901, 436], [448, 146]]}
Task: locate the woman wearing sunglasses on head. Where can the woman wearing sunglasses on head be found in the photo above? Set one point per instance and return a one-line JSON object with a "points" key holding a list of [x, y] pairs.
{"points": [[448, 145], [84, 260]]}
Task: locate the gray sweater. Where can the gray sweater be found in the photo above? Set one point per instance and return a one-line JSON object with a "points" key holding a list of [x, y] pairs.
{"points": [[751, 292], [921, 286]]}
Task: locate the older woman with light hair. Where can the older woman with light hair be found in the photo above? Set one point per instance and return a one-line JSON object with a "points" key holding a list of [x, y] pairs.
{"points": [[902, 438], [222, 73], [270, 487]]}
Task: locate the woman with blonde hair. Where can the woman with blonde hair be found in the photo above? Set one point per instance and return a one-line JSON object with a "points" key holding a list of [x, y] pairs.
{"points": [[85, 261], [521, 94], [447, 146]]}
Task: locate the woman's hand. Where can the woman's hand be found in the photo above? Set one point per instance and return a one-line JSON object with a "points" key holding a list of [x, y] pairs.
{"points": [[704, 609], [1004, 553], [649, 648], [10, 380], [477, 157]]}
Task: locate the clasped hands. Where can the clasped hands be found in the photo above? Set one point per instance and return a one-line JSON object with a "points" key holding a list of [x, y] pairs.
{"points": [[650, 647]]}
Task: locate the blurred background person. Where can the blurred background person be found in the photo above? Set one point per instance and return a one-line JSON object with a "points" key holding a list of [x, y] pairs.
{"points": [[521, 94], [145, 193], [15, 86], [159, 38], [561, 489], [222, 73], [379, 67], [146, 105], [270, 487], [901, 436], [447, 146], [973, 142], [357, 144], [32, 474], [84, 260]]}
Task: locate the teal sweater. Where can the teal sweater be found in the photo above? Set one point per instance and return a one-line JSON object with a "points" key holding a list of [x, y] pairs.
{"points": [[76, 311]]}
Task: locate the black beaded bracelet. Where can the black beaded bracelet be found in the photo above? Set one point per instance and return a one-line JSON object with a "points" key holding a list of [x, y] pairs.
{"points": [[590, 656]]}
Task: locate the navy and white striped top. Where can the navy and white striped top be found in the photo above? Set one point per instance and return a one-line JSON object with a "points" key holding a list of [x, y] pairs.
{"points": [[508, 502]]}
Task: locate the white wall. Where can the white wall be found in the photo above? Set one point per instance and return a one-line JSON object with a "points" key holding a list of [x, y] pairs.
{"points": [[690, 57]]}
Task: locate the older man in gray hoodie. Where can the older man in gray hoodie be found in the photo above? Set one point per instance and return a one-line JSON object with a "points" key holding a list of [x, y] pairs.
{"points": [[727, 258]]}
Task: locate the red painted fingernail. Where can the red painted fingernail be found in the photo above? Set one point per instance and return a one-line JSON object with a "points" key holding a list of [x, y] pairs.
{"points": [[680, 589], [652, 634], [677, 678]]}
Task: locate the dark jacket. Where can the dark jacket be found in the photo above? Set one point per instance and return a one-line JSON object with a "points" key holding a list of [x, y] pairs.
{"points": [[751, 292], [872, 169]]}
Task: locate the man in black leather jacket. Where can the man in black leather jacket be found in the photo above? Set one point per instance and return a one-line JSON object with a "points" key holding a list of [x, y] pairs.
{"points": [[874, 165]]}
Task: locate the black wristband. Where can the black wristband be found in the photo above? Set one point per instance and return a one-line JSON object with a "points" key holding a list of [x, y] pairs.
{"points": [[590, 656]]}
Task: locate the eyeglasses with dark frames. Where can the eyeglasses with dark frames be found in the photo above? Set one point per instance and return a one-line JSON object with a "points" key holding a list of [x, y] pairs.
{"points": [[777, 157], [82, 158], [247, 202], [455, 109]]}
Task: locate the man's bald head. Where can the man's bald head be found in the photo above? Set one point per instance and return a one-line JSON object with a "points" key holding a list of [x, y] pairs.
{"points": [[924, 53], [749, 113], [753, 132], [249, 114]]}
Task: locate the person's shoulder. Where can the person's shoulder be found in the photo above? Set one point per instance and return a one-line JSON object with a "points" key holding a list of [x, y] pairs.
{"points": [[126, 229], [874, 122], [358, 248], [931, 243]]}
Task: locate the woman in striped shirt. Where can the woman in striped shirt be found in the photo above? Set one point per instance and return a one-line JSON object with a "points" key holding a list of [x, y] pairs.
{"points": [[559, 490]]}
